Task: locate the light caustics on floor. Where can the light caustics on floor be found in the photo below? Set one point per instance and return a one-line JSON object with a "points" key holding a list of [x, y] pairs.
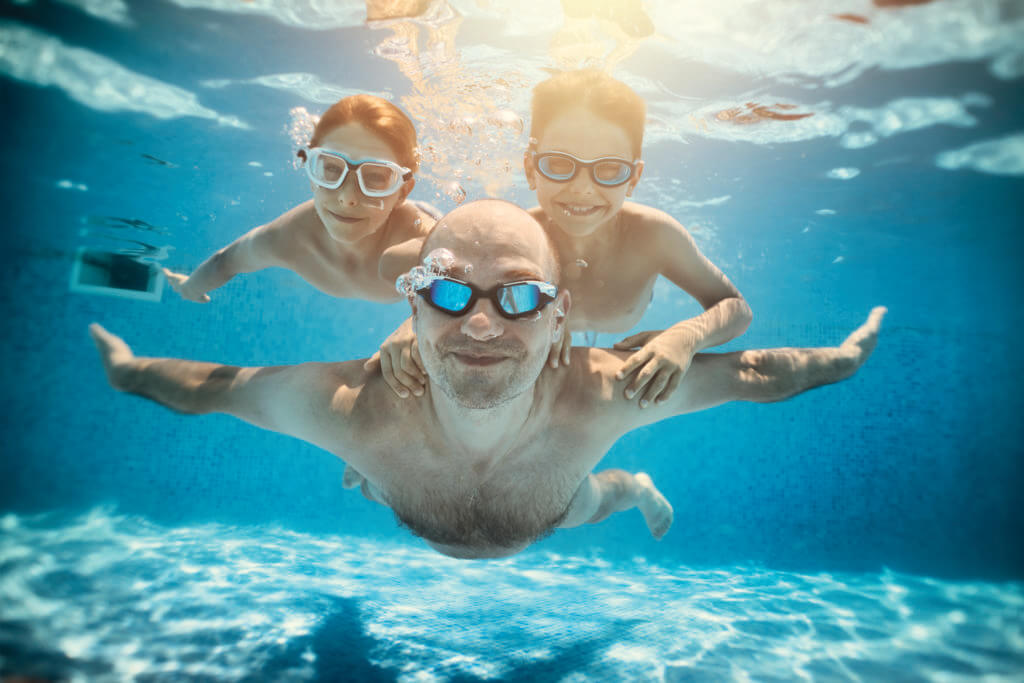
{"points": [[108, 597]]}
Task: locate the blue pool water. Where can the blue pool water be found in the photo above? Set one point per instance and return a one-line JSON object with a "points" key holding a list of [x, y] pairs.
{"points": [[869, 530]]}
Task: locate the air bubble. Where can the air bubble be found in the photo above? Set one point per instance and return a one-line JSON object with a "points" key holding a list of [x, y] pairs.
{"points": [[455, 192], [468, 268], [403, 285], [463, 125], [581, 263], [420, 277], [300, 128], [439, 262], [506, 118]]}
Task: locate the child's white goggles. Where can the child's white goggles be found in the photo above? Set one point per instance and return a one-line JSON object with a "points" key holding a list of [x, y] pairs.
{"points": [[377, 178]]}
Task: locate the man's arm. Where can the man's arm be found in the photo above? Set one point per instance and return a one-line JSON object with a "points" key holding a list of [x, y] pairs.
{"points": [[762, 376], [297, 400]]}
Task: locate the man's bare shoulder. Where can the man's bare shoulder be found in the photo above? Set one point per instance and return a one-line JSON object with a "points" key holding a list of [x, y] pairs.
{"points": [[584, 402], [351, 389], [588, 382]]}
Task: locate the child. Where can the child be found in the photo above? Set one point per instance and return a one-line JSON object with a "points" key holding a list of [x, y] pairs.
{"points": [[357, 233], [583, 161]]}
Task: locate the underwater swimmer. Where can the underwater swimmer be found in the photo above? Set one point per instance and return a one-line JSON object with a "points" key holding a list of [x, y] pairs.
{"points": [[358, 232], [499, 451], [583, 162]]}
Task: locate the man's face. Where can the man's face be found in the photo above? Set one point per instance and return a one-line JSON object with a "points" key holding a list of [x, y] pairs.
{"points": [[481, 359]]}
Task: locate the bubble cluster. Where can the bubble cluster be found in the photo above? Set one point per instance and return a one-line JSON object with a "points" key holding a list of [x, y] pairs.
{"points": [[438, 263], [301, 125], [403, 285], [506, 118], [455, 192]]}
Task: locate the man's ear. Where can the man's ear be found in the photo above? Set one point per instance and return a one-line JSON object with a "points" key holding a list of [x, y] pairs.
{"points": [[635, 179]]}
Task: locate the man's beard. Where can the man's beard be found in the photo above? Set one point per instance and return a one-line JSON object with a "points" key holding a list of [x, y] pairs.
{"points": [[484, 387]]}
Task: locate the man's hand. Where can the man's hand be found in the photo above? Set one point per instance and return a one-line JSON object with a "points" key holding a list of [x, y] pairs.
{"points": [[561, 351], [118, 359], [662, 360], [182, 284], [400, 362]]}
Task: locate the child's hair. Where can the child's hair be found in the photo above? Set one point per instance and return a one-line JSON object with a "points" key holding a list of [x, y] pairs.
{"points": [[595, 90], [377, 115]]}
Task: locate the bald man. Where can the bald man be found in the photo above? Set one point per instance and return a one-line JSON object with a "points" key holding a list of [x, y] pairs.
{"points": [[499, 450]]}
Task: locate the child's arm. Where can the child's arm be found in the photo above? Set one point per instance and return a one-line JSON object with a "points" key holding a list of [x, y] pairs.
{"points": [[400, 363], [255, 250], [664, 356]]}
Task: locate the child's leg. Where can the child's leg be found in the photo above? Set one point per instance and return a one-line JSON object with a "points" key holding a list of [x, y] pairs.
{"points": [[611, 491]]}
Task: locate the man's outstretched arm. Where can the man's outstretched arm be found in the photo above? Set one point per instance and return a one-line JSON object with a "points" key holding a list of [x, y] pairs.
{"points": [[294, 400], [762, 375]]}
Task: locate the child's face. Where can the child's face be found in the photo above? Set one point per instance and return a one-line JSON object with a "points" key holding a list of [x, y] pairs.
{"points": [[348, 214], [581, 206]]}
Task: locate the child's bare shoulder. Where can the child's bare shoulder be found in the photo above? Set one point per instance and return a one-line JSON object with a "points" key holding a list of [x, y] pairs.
{"points": [[643, 217], [649, 229], [279, 241], [408, 222]]}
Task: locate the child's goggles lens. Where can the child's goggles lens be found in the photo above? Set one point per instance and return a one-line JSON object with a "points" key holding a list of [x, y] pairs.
{"points": [[512, 300], [376, 178], [561, 168]]}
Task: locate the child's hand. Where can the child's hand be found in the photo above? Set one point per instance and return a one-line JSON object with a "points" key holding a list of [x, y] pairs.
{"points": [[561, 350], [663, 358], [400, 362], [180, 284]]}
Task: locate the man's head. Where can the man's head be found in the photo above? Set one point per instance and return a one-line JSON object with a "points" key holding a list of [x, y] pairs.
{"points": [[481, 358]]}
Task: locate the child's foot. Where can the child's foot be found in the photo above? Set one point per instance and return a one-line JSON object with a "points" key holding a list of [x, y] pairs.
{"points": [[655, 507]]}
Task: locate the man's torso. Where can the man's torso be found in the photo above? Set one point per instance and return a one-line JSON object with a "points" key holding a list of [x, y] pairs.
{"points": [[503, 501]]}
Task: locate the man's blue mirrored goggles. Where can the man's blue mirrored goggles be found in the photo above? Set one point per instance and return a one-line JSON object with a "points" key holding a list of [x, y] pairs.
{"points": [[512, 300]]}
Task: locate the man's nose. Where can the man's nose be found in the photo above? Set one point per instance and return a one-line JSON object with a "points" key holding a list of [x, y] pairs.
{"points": [[483, 322]]}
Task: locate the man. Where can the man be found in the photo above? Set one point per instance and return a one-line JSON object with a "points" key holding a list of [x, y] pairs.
{"points": [[499, 450]]}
